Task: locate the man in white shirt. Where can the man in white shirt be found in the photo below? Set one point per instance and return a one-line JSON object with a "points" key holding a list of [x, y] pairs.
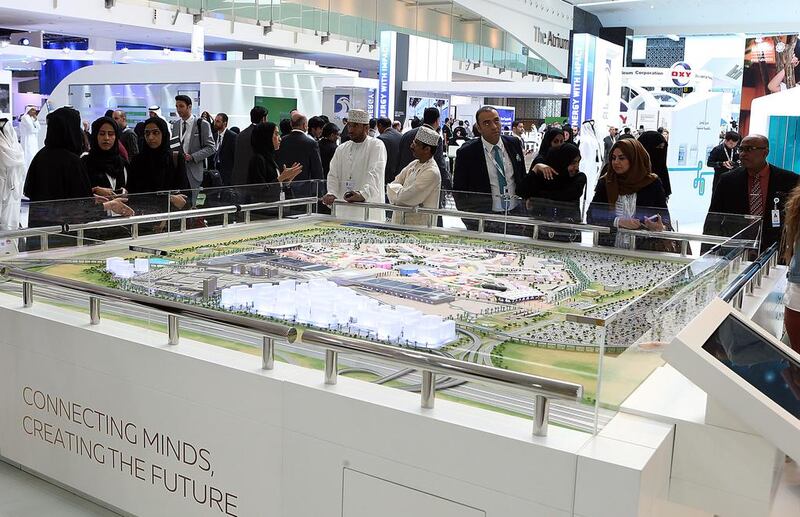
{"points": [[357, 170], [29, 134], [419, 183]]}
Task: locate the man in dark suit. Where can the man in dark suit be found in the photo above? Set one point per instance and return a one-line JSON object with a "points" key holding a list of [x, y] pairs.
{"points": [[430, 118], [391, 139], [244, 150], [756, 188], [225, 140], [492, 165], [725, 156], [298, 147], [608, 142]]}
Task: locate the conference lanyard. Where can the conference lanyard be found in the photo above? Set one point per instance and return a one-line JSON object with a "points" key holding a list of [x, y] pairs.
{"points": [[729, 156]]}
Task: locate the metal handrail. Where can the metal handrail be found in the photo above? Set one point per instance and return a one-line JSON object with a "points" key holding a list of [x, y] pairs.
{"points": [[367, 204], [438, 364], [751, 275], [430, 365], [706, 239], [171, 307], [152, 218]]}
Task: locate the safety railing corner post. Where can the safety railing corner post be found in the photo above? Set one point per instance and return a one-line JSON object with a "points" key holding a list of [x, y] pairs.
{"points": [[331, 366], [267, 353], [428, 392], [541, 415], [27, 294], [173, 329], [94, 310]]}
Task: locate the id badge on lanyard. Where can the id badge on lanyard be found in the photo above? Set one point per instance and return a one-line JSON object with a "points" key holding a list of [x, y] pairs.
{"points": [[348, 185], [776, 214]]}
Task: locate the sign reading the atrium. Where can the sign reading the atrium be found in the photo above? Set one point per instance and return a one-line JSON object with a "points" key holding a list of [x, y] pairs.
{"points": [[549, 38]]}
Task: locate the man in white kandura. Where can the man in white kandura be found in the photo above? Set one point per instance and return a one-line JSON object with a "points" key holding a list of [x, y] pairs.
{"points": [[357, 171], [29, 134], [419, 182]]}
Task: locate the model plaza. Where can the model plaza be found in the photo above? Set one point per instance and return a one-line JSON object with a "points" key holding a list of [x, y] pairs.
{"points": [[411, 289]]}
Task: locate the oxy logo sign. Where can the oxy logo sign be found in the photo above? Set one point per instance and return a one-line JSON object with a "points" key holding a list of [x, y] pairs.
{"points": [[681, 74]]}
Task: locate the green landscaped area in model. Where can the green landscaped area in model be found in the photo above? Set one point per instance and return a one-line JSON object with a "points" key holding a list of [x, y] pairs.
{"points": [[510, 300]]}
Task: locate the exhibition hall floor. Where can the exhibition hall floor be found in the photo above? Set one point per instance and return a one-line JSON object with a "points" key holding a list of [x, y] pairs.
{"points": [[24, 495]]}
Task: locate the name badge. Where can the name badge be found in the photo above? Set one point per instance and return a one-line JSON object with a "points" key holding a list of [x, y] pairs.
{"points": [[348, 185], [776, 218], [776, 214]]}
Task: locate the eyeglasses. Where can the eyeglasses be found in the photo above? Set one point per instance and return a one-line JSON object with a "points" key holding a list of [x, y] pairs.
{"points": [[750, 148]]}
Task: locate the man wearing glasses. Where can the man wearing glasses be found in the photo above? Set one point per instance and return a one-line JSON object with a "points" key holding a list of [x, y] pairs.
{"points": [[755, 188]]}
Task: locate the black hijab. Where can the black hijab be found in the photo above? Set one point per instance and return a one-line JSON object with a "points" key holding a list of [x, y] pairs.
{"points": [[261, 140], [64, 130], [153, 170], [99, 163], [568, 129], [547, 140], [559, 158], [651, 140]]}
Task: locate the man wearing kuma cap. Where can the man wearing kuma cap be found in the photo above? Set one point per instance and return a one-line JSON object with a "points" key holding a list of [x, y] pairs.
{"points": [[419, 183], [357, 170]]}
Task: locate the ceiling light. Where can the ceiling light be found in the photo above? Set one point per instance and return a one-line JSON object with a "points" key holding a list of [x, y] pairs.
{"points": [[25, 41], [66, 50], [125, 50], [166, 51], [90, 51]]}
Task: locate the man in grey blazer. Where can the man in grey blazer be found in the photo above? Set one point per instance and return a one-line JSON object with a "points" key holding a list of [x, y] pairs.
{"points": [[196, 140]]}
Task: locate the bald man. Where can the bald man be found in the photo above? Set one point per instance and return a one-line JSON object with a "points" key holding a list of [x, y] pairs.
{"points": [[755, 188], [298, 147]]}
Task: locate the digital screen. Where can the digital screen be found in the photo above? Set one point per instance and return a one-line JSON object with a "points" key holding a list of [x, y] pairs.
{"points": [[763, 365]]}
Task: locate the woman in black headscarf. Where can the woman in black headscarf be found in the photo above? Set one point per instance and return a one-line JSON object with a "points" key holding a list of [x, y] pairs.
{"points": [[656, 146], [263, 168], [569, 134], [107, 170], [158, 169], [552, 138], [57, 173], [558, 198]]}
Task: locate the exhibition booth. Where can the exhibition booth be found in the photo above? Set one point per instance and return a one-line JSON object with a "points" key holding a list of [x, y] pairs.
{"points": [[186, 389]]}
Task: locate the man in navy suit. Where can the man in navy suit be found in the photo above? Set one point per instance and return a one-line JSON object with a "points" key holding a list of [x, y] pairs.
{"points": [[489, 173], [225, 140]]}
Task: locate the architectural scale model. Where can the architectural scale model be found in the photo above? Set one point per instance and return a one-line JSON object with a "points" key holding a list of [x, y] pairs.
{"points": [[514, 305]]}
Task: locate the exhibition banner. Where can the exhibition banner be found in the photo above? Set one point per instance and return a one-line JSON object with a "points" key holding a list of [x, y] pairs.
{"points": [[771, 65], [596, 81], [386, 64]]}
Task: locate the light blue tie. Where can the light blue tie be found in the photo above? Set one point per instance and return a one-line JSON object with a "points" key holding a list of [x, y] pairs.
{"points": [[501, 175]]}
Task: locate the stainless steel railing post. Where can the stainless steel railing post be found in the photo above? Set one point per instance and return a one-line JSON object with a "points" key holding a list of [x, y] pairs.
{"points": [[173, 329], [684, 248], [247, 216], [80, 238], [535, 234], [44, 242], [135, 231], [267, 353], [428, 392], [481, 223], [224, 220], [183, 224], [366, 213], [541, 415], [633, 242], [94, 310], [331, 366], [27, 294]]}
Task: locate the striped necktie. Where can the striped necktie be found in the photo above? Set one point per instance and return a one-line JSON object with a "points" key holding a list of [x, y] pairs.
{"points": [[756, 200]]}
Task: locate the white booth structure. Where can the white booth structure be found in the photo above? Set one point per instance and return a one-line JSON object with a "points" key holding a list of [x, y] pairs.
{"points": [[217, 86]]}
